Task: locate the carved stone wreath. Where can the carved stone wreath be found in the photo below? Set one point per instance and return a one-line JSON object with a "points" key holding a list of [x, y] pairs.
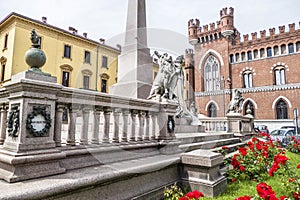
{"points": [[38, 122], [171, 124], [13, 122]]}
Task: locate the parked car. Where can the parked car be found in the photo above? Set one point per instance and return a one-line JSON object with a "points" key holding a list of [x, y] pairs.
{"points": [[261, 129], [284, 136], [291, 127]]}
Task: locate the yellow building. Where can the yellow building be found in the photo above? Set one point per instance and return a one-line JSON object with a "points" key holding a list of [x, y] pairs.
{"points": [[75, 60]]}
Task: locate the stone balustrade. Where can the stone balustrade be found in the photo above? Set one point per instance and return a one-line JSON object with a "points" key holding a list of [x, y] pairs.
{"points": [[214, 124]]}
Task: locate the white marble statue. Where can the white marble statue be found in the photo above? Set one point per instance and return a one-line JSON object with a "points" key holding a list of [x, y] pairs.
{"points": [[168, 85]]}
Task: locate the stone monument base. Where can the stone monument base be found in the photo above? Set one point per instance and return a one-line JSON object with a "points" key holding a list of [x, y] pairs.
{"points": [[136, 89]]}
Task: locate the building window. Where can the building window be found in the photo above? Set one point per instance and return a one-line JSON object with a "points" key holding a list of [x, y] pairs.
{"points": [[269, 52], [281, 110], [212, 110], [255, 52], [291, 48], [65, 79], [262, 53], [103, 85], [67, 51], [298, 46], [276, 50], [231, 58], [86, 82], [249, 54], [104, 61], [247, 75], [2, 73], [87, 57], [5, 41], [211, 74], [283, 49], [237, 57], [243, 56], [249, 105], [279, 73]]}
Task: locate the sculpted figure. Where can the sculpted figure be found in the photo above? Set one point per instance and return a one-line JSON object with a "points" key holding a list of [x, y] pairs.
{"points": [[35, 39], [235, 105]]}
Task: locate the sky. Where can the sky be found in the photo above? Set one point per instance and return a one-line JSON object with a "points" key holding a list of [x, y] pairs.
{"points": [[107, 18]]}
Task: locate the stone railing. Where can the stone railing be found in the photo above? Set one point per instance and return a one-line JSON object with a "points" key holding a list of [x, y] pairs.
{"points": [[214, 124]]}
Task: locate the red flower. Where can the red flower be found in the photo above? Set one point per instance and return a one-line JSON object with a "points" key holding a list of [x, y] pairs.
{"points": [[265, 191], [183, 198], [233, 180], [283, 197], [296, 195], [244, 198], [224, 147], [194, 194], [298, 166], [242, 168], [243, 151]]}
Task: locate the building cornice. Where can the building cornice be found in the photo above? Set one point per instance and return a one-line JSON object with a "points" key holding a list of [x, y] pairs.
{"points": [[270, 88]]}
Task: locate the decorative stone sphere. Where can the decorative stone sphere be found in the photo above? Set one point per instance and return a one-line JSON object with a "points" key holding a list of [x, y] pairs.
{"points": [[35, 57]]}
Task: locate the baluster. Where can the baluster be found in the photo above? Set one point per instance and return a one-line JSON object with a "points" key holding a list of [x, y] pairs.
{"points": [[85, 126], [95, 136], [3, 122], [147, 133], [125, 114], [116, 114], [133, 121], [153, 118], [107, 112], [58, 123], [141, 117], [72, 125]]}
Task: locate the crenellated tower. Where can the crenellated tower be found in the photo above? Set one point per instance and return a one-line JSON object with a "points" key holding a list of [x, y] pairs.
{"points": [[227, 21]]}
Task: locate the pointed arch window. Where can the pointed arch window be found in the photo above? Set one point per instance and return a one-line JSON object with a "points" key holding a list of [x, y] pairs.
{"points": [[250, 105], [281, 110], [211, 74], [212, 110], [279, 75]]}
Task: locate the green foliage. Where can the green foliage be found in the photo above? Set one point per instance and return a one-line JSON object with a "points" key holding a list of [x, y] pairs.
{"points": [[173, 193]]}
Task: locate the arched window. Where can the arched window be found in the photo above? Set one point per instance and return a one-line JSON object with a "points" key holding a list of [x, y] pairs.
{"points": [[262, 53], [279, 75], [247, 75], [291, 48], [249, 54], [211, 74], [269, 52], [237, 57], [281, 110], [276, 50], [212, 110], [255, 52], [231, 57], [297, 46], [283, 49], [250, 105], [243, 56]]}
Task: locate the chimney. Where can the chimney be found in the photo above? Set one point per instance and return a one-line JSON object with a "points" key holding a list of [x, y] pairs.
{"points": [[119, 47], [85, 35], [102, 41], [44, 19]]}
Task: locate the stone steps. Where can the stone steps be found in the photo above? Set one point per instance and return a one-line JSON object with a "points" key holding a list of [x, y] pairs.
{"points": [[210, 144], [187, 138]]}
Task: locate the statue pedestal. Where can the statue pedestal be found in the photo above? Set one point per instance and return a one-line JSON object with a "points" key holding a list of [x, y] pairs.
{"points": [[234, 122], [29, 148]]}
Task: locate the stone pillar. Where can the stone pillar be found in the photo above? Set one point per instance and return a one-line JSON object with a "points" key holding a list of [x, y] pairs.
{"points": [[3, 123], [125, 126], [58, 124], [72, 125], [107, 112], [116, 114], [153, 118], [85, 126], [147, 132], [234, 122], [141, 116], [133, 122], [95, 136], [201, 171]]}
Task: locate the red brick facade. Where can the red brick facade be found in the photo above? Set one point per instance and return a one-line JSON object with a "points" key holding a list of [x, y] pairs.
{"points": [[265, 68]]}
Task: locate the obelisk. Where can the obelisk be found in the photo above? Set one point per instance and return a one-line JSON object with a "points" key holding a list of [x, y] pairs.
{"points": [[135, 62]]}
